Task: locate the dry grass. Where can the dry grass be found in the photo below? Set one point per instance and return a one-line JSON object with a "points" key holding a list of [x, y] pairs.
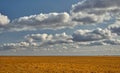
{"points": [[59, 64]]}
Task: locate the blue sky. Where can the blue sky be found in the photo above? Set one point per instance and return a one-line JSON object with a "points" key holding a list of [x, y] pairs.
{"points": [[14, 8], [59, 27]]}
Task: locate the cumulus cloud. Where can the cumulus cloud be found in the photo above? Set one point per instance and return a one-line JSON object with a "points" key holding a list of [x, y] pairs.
{"points": [[19, 45], [59, 39], [58, 45], [39, 40], [105, 42], [95, 11], [38, 37], [79, 38], [46, 39], [4, 20], [112, 41], [115, 27], [83, 12], [102, 4], [91, 35], [49, 20]]}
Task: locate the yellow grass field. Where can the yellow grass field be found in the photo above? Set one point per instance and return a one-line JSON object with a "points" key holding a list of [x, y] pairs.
{"points": [[60, 64]]}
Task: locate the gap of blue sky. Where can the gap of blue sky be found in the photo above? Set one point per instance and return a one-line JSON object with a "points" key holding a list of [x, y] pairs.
{"points": [[19, 8]]}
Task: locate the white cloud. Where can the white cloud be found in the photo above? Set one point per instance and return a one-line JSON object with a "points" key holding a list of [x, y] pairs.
{"points": [[91, 35], [115, 27], [79, 38], [39, 40], [95, 4], [104, 42], [95, 11], [112, 41], [48, 38], [9, 46], [84, 12], [4, 20], [50, 20], [62, 46], [38, 37]]}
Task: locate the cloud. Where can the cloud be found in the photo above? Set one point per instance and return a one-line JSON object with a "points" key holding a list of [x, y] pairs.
{"points": [[4, 20], [39, 40], [38, 37], [91, 35], [50, 20], [48, 38], [62, 38], [84, 12], [105, 42], [19, 45], [115, 27], [79, 38], [95, 11], [112, 41], [44, 36], [95, 4]]}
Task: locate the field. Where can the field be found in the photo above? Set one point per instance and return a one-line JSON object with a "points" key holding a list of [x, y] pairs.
{"points": [[59, 64]]}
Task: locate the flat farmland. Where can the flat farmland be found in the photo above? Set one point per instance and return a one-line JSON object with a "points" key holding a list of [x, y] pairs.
{"points": [[59, 64]]}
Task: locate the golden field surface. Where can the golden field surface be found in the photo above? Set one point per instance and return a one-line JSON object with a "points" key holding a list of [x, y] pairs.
{"points": [[59, 64]]}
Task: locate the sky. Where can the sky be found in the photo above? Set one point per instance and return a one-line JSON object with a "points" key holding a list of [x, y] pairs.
{"points": [[15, 9], [61, 27]]}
